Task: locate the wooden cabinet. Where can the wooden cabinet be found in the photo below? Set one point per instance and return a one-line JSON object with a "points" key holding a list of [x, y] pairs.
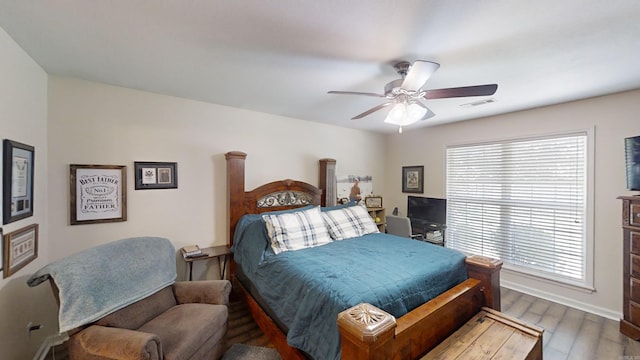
{"points": [[630, 323], [378, 215]]}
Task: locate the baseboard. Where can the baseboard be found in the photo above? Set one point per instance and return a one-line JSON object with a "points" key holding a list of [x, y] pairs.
{"points": [[609, 314], [48, 343]]}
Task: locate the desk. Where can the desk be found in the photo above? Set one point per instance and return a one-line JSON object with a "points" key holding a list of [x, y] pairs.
{"points": [[212, 252]]}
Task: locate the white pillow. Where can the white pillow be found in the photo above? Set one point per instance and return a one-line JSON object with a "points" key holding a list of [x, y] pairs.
{"points": [[349, 222], [342, 224], [367, 225], [296, 230]]}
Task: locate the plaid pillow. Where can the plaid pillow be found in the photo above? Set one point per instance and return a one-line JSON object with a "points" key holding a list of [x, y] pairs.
{"points": [[296, 230], [349, 222], [342, 224], [367, 225]]}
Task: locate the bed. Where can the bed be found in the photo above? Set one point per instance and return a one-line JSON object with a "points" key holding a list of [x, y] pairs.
{"points": [[317, 312]]}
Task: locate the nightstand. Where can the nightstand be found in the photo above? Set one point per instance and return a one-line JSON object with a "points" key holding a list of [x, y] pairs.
{"points": [[221, 253]]}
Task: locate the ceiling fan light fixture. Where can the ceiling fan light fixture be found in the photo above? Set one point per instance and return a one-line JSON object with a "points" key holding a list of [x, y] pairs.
{"points": [[403, 114]]}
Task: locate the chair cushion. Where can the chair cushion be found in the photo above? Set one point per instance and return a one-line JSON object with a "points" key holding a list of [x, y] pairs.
{"points": [[140, 312], [184, 328]]}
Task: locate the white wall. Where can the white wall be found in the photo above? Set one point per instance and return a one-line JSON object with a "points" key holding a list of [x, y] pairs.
{"points": [[613, 117], [92, 123], [23, 118]]}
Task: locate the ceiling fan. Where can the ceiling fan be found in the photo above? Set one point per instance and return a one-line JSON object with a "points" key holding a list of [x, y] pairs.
{"points": [[406, 93]]}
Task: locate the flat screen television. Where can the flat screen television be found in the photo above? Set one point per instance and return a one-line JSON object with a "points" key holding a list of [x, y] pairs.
{"points": [[632, 154], [427, 210]]}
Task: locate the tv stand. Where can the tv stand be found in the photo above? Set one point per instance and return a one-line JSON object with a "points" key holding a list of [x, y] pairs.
{"points": [[431, 232]]}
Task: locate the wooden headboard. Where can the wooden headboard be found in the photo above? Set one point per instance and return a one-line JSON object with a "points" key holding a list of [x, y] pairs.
{"points": [[276, 195]]}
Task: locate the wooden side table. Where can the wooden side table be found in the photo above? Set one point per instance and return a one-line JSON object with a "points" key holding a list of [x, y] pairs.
{"points": [[217, 252]]}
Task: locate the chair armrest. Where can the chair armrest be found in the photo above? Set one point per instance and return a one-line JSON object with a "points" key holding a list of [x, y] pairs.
{"points": [[101, 342], [202, 291]]}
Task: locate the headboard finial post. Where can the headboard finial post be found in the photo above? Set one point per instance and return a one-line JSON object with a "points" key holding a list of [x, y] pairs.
{"points": [[235, 190]]}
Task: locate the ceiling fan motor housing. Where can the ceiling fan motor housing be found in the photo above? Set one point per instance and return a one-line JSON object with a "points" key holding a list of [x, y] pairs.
{"points": [[402, 67]]}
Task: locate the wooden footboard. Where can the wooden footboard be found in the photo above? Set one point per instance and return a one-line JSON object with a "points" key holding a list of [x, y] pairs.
{"points": [[368, 333]]}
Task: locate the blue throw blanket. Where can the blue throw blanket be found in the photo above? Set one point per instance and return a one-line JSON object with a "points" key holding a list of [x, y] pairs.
{"points": [[98, 281], [306, 289]]}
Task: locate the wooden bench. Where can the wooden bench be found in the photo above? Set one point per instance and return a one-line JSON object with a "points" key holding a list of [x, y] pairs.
{"points": [[491, 334]]}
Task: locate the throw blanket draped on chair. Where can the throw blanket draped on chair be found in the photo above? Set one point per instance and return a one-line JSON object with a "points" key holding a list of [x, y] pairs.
{"points": [[100, 280]]}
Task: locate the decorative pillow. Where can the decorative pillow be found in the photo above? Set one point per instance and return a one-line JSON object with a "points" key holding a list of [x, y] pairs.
{"points": [[349, 222], [367, 225], [342, 224], [296, 230]]}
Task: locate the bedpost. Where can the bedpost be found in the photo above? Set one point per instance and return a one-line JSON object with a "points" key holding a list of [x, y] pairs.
{"points": [[235, 190], [366, 333], [487, 270], [328, 182]]}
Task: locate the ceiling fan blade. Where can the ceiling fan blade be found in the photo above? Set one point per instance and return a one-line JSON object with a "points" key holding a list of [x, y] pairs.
{"points": [[429, 114], [373, 109], [355, 93], [418, 74], [477, 90]]}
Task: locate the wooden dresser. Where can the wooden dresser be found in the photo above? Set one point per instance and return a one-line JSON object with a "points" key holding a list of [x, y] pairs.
{"points": [[630, 323]]}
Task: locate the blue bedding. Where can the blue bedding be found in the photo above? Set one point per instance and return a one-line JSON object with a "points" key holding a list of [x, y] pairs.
{"points": [[306, 289]]}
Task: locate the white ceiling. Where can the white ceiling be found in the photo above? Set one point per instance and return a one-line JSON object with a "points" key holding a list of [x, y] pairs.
{"points": [[281, 57]]}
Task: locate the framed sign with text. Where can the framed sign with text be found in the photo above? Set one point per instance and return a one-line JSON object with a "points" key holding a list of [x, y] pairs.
{"points": [[98, 193], [17, 181], [20, 248]]}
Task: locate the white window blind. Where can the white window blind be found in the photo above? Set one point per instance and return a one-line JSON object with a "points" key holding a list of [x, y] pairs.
{"points": [[522, 201]]}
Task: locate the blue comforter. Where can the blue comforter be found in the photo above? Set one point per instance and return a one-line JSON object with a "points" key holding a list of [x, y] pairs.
{"points": [[307, 288]]}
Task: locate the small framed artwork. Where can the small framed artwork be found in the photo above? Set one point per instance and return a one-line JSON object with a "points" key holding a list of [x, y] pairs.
{"points": [[413, 179], [156, 175], [98, 193], [373, 201], [17, 181], [20, 248]]}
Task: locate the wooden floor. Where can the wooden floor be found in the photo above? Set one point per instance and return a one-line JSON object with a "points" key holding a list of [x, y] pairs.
{"points": [[568, 333], [242, 329]]}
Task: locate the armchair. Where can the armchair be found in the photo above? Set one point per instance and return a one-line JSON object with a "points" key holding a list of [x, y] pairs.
{"points": [[122, 310]]}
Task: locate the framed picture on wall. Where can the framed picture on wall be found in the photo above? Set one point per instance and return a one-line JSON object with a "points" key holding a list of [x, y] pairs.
{"points": [[413, 179], [17, 181], [156, 175], [20, 248], [98, 193]]}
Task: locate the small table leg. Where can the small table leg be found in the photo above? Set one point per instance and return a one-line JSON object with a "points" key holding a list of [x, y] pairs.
{"points": [[223, 266]]}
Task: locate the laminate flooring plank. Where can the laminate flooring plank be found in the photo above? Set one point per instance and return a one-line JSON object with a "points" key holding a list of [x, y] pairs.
{"points": [[586, 342]]}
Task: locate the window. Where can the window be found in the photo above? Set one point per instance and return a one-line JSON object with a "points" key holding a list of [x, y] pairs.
{"points": [[524, 202]]}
